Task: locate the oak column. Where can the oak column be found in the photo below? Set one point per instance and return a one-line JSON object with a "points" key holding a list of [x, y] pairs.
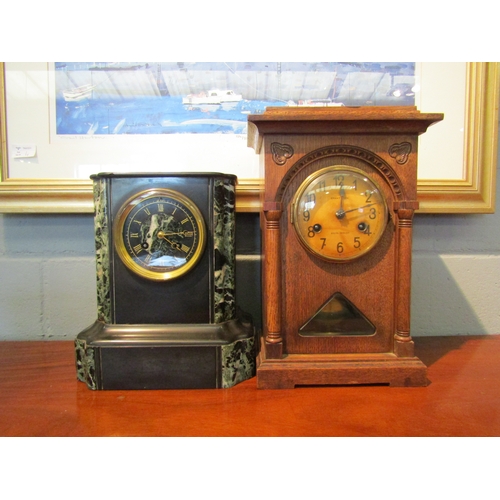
{"points": [[272, 284], [403, 344]]}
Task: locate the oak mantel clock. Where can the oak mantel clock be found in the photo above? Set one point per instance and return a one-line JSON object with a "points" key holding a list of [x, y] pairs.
{"points": [[166, 315], [340, 191]]}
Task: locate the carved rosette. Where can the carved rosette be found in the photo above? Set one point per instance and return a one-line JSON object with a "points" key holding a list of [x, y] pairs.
{"points": [[281, 153], [102, 241], [400, 152], [224, 256]]}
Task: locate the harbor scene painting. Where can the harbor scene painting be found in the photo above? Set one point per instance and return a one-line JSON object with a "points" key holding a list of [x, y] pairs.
{"points": [[114, 98]]}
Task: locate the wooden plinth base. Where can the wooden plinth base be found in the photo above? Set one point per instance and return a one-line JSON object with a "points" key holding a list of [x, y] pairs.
{"points": [[339, 369]]}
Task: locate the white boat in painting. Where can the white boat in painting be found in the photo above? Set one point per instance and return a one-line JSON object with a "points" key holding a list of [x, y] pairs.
{"points": [[316, 103], [214, 96], [78, 93]]}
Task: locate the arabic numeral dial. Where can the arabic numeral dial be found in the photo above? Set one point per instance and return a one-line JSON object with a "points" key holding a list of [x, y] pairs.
{"points": [[339, 213]]}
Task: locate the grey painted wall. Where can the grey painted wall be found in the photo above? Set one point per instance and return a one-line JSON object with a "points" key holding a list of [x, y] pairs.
{"points": [[47, 274]]}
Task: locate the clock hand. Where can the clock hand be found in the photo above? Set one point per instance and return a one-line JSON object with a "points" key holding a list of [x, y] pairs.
{"points": [[173, 244], [162, 234], [340, 214]]}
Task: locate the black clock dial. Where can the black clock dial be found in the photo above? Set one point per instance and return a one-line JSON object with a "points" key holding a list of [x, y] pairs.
{"points": [[160, 234]]}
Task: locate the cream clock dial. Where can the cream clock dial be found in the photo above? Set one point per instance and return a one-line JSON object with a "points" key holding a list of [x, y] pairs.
{"points": [[339, 213]]}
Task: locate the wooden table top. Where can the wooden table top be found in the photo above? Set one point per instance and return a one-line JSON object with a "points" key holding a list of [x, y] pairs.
{"points": [[40, 396]]}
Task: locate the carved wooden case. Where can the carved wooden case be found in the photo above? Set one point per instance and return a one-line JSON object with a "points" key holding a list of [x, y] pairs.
{"points": [[293, 143]]}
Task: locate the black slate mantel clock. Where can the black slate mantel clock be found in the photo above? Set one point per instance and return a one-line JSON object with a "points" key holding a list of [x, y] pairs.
{"points": [[167, 316], [340, 191]]}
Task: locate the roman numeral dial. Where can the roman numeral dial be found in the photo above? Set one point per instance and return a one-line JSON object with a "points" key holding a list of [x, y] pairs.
{"points": [[160, 234]]}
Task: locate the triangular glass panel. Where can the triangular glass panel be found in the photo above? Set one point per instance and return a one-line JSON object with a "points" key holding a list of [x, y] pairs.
{"points": [[338, 317]]}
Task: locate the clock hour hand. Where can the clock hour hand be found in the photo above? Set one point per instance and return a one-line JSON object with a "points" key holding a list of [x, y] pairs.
{"points": [[341, 212], [162, 234]]}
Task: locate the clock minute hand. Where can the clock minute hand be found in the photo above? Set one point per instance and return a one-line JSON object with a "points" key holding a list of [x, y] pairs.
{"points": [[173, 244], [340, 214]]}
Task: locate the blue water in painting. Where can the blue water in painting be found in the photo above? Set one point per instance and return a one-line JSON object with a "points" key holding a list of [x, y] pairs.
{"points": [[154, 106], [154, 115]]}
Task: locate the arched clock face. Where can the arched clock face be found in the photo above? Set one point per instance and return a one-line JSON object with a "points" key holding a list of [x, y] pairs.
{"points": [[159, 234], [339, 213]]}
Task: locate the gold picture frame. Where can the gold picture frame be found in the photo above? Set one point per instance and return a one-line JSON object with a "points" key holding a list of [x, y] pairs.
{"points": [[475, 193]]}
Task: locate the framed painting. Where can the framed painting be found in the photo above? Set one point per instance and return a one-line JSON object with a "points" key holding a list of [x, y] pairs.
{"points": [[61, 122]]}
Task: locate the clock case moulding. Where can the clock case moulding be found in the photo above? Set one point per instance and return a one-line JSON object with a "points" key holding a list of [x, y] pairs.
{"points": [[293, 143], [182, 333]]}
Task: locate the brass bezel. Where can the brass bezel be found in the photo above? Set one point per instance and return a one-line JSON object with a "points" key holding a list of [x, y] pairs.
{"points": [[303, 187], [121, 247]]}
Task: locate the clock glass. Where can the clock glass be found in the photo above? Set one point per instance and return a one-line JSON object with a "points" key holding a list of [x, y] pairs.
{"points": [[159, 234], [339, 213]]}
